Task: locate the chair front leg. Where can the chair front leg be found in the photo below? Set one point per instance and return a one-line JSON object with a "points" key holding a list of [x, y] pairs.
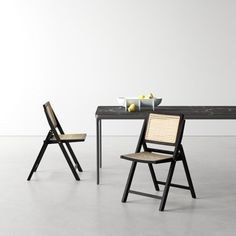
{"points": [[38, 160], [129, 181], [74, 157], [167, 186]]}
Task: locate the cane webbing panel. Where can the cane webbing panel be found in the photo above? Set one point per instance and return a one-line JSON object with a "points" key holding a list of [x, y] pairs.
{"points": [[70, 137], [162, 128], [147, 157], [51, 115]]}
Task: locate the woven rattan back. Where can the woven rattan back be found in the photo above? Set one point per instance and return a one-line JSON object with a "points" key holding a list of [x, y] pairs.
{"points": [[50, 114], [162, 128]]}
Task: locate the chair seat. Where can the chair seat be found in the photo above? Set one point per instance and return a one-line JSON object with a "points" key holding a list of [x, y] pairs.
{"points": [[147, 157], [70, 137]]}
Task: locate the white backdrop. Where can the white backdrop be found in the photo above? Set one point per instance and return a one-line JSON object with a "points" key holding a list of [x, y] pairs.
{"points": [[81, 54]]}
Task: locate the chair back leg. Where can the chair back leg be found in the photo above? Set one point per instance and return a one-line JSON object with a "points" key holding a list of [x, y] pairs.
{"points": [[154, 179], [74, 157], [129, 181], [73, 170], [187, 172]]}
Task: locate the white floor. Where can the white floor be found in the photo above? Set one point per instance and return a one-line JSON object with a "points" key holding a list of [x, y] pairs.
{"points": [[53, 203]]}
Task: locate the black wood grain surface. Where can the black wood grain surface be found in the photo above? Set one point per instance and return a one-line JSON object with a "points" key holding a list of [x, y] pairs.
{"points": [[190, 112]]}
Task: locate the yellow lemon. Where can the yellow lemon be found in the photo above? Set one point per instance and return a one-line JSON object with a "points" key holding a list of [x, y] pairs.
{"points": [[150, 96], [132, 108], [141, 97]]}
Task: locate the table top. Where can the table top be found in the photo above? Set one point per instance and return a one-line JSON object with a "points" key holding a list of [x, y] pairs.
{"points": [[190, 112]]}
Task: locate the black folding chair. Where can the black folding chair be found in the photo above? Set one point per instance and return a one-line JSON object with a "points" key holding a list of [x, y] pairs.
{"points": [[53, 137], [163, 130]]}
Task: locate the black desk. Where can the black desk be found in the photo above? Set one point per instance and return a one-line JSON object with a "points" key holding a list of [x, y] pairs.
{"points": [[190, 112]]}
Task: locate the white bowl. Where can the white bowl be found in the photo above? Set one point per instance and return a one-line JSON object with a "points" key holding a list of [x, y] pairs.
{"points": [[126, 101], [121, 101]]}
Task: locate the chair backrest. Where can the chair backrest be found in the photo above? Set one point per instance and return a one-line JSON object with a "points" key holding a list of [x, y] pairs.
{"points": [[52, 120], [164, 129]]}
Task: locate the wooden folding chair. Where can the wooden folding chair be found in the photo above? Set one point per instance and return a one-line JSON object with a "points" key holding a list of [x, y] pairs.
{"points": [[53, 137], [164, 130]]}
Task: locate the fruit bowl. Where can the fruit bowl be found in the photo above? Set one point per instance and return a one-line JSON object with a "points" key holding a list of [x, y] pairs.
{"points": [[139, 102]]}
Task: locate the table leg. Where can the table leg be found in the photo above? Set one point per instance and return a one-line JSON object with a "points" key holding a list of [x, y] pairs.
{"points": [[98, 136], [100, 143]]}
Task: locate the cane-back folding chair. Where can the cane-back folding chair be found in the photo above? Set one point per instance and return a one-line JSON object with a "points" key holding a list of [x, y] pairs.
{"points": [[162, 130], [62, 139]]}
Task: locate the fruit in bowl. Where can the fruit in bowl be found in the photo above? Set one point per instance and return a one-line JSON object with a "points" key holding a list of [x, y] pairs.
{"points": [[141, 97], [140, 102], [150, 96]]}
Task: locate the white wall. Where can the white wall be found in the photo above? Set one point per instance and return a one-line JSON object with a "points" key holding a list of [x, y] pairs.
{"points": [[81, 54]]}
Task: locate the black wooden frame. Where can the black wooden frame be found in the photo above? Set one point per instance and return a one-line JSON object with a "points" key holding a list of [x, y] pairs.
{"points": [[178, 155], [48, 140]]}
